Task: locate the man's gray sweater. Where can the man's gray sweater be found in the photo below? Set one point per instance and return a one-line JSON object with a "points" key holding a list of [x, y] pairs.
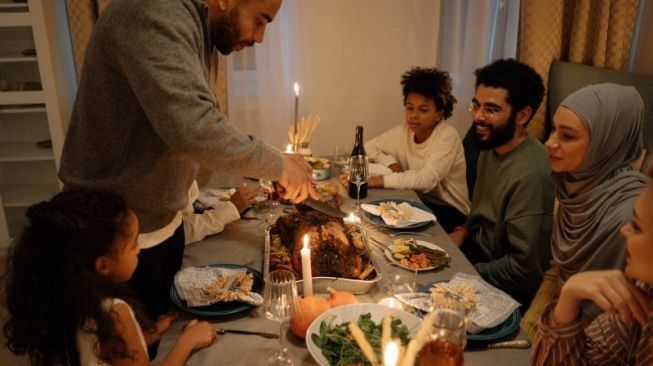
{"points": [[145, 116]]}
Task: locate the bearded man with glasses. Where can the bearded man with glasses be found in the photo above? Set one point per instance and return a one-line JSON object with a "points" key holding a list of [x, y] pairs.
{"points": [[508, 232]]}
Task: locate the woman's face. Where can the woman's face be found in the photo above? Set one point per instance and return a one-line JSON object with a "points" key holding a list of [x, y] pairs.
{"points": [[421, 113], [639, 238], [568, 142]]}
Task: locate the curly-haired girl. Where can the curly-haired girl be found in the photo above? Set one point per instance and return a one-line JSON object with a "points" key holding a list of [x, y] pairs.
{"points": [[65, 293]]}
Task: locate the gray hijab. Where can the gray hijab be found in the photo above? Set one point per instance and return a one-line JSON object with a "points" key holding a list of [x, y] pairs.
{"points": [[598, 197]]}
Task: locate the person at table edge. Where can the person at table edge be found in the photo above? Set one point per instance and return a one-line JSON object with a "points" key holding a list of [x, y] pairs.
{"points": [[145, 118], [425, 153]]}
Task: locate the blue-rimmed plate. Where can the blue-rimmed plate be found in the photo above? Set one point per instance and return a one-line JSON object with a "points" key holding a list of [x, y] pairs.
{"points": [[505, 329], [377, 220], [220, 308]]}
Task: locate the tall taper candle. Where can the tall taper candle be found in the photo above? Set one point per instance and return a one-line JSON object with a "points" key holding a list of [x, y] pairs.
{"points": [[296, 88], [307, 275]]}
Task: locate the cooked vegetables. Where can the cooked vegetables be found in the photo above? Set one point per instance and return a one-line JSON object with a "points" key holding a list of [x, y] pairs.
{"points": [[412, 255]]}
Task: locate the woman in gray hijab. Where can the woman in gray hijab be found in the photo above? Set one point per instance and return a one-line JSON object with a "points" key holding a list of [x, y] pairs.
{"points": [[597, 135]]}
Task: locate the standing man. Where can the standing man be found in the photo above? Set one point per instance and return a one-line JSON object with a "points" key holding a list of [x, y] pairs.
{"points": [[145, 119], [508, 233]]}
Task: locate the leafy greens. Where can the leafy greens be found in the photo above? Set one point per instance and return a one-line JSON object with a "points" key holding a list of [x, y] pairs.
{"points": [[340, 349]]}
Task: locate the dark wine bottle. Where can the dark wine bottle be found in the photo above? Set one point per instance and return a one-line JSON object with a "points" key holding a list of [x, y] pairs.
{"points": [[359, 149]]}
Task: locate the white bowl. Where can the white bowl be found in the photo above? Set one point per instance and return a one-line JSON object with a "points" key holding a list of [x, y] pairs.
{"points": [[348, 313]]}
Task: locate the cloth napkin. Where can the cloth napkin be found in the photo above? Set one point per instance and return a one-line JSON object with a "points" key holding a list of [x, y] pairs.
{"points": [[418, 215], [191, 283]]}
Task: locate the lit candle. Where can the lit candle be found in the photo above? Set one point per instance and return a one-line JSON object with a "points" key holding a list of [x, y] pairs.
{"points": [[289, 148], [296, 88], [352, 218], [307, 276], [391, 355]]}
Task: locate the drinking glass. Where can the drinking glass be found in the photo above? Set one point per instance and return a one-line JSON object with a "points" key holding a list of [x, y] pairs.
{"points": [[400, 280], [359, 173], [447, 338], [272, 200], [280, 304]]}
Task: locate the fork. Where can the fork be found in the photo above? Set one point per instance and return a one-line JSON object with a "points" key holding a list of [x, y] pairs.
{"points": [[407, 233]]}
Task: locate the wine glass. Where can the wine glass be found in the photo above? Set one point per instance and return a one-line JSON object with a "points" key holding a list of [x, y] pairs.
{"points": [[359, 173], [280, 304], [272, 200], [447, 337]]}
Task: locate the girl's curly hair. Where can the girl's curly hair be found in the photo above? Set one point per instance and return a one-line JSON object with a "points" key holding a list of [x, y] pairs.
{"points": [[52, 289], [431, 83]]}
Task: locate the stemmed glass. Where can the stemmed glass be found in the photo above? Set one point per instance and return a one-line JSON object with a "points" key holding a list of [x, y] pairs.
{"points": [[359, 173], [272, 201], [280, 304]]}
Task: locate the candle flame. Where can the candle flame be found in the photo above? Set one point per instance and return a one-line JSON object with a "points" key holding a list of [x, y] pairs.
{"points": [[305, 241], [351, 217], [289, 148], [391, 354], [296, 89]]}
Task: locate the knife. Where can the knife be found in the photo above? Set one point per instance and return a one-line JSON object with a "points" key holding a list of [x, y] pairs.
{"points": [[238, 331], [325, 208]]}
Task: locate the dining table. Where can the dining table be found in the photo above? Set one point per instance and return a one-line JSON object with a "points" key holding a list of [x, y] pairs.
{"points": [[242, 243]]}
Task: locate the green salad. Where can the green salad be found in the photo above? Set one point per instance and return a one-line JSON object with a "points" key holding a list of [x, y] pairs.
{"points": [[339, 347]]}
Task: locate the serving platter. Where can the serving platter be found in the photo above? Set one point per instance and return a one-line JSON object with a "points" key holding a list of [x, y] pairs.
{"points": [[320, 284]]}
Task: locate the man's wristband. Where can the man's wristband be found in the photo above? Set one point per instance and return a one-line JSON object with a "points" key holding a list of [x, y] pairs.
{"points": [[462, 229]]}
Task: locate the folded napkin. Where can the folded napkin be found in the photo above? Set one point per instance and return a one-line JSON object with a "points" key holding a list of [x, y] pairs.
{"points": [[396, 217], [492, 307], [194, 285], [378, 169]]}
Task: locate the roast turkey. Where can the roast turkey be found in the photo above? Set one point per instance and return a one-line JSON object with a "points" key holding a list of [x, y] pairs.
{"points": [[332, 252]]}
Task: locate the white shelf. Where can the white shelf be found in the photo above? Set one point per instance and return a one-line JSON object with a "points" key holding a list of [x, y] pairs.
{"points": [[12, 5], [25, 195], [22, 97], [18, 59], [15, 19], [13, 152], [18, 109]]}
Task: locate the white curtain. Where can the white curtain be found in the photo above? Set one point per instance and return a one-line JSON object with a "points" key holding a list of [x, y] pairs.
{"points": [[473, 33], [348, 57]]}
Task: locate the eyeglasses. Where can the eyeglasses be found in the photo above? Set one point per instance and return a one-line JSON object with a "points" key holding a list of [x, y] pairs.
{"points": [[488, 112]]}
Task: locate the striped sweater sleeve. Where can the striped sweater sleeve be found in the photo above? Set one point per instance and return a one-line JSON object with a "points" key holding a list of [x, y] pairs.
{"points": [[604, 342]]}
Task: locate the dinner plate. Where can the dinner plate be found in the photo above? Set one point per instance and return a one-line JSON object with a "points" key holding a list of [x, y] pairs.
{"points": [[378, 220], [508, 327], [391, 258], [348, 313], [220, 308]]}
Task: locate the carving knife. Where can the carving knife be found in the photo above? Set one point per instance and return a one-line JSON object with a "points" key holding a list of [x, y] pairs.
{"points": [[325, 208]]}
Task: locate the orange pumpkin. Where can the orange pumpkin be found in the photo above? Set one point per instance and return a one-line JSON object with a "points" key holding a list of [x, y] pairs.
{"points": [[337, 298], [309, 308]]}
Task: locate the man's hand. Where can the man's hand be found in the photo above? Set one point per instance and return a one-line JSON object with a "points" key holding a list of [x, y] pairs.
{"points": [[457, 237], [296, 179], [396, 168], [244, 197]]}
